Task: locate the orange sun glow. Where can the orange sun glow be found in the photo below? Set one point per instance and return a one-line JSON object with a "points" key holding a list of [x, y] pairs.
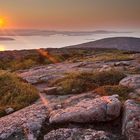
{"points": [[2, 22]]}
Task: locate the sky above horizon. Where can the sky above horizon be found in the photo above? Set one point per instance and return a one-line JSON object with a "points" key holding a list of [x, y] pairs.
{"points": [[71, 14]]}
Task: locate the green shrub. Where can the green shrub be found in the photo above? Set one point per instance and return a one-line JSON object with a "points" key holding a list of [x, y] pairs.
{"points": [[14, 92], [122, 91], [112, 56], [24, 64], [111, 77], [27, 62], [86, 81]]}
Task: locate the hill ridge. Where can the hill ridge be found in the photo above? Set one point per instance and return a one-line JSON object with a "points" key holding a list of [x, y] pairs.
{"points": [[121, 43]]}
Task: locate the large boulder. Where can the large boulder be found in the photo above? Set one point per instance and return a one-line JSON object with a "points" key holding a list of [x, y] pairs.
{"points": [[132, 81], [104, 108], [25, 123], [78, 134], [131, 120]]}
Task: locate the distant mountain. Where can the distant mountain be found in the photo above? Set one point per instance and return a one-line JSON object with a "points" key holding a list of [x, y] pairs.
{"points": [[121, 43]]}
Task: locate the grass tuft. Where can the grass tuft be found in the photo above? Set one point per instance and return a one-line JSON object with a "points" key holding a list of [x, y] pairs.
{"points": [[14, 92], [78, 82], [122, 91]]}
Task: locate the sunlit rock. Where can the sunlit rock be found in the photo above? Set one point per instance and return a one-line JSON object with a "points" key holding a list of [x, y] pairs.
{"points": [[105, 108]]}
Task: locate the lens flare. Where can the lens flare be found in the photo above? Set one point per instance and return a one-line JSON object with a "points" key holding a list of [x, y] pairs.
{"points": [[47, 55], [44, 100]]}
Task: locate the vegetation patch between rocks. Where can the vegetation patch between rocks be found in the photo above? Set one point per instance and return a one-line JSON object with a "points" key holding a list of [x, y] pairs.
{"points": [[78, 82], [108, 90], [119, 56], [14, 93]]}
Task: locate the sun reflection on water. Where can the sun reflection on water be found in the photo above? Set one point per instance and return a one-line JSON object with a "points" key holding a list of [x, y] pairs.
{"points": [[2, 48]]}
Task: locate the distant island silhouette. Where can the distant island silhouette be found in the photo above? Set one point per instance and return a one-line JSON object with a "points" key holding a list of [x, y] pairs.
{"points": [[6, 39]]}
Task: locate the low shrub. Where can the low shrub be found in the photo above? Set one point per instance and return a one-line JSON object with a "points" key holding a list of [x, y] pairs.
{"points": [[78, 82], [25, 64], [122, 91], [116, 56], [14, 92], [75, 83]]}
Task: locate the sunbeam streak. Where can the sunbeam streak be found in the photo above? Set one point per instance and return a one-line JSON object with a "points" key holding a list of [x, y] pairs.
{"points": [[44, 100]]}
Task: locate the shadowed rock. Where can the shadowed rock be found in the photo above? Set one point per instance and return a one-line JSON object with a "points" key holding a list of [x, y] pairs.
{"points": [[78, 134], [131, 120]]}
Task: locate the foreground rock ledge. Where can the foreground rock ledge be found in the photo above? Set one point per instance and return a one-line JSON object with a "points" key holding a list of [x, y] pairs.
{"points": [[24, 123], [131, 120], [105, 108], [78, 134]]}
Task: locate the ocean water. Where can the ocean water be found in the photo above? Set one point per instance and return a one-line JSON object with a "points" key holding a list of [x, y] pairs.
{"points": [[56, 40]]}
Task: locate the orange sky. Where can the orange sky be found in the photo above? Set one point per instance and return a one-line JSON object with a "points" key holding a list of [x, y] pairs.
{"points": [[71, 14]]}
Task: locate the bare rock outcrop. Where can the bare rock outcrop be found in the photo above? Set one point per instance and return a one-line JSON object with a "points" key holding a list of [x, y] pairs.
{"points": [[78, 134], [104, 108], [23, 123], [131, 120], [132, 81], [53, 71], [71, 101], [45, 73]]}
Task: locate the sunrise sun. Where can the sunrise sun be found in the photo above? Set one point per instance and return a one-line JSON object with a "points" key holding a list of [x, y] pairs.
{"points": [[2, 22]]}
